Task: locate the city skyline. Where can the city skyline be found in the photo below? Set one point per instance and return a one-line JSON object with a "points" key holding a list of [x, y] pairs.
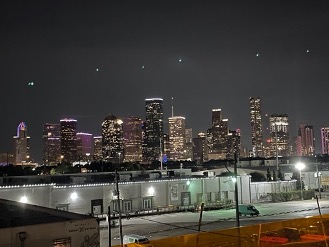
{"points": [[88, 60]]}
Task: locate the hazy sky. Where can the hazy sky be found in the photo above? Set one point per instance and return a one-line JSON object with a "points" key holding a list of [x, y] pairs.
{"points": [[86, 61]]}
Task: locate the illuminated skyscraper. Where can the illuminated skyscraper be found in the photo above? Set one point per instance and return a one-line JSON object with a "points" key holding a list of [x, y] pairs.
{"points": [[177, 140], [219, 133], [22, 149], [85, 146], [69, 139], [153, 130], [234, 144], [112, 139], [279, 131], [200, 149], [189, 144], [256, 127], [97, 148], [132, 135], [307, 140], [325, 140], [51, 138]]}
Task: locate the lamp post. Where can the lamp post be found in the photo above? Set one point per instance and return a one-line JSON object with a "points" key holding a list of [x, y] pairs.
{"points": [[300, 167], [119, 153]]}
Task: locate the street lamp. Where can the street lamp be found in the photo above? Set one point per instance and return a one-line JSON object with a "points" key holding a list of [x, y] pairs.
{"points": [[119, 153], [300, 166]]}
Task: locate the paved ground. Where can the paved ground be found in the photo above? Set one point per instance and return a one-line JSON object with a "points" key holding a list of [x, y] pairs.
{"points": [[160, 226]]}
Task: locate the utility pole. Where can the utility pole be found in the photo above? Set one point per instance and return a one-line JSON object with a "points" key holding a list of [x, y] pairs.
{"points": [[119, 205], [237, 213], [318, 175]]}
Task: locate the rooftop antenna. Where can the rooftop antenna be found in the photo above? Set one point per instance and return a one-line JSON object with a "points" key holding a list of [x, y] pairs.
{"points": [[172, 106]]}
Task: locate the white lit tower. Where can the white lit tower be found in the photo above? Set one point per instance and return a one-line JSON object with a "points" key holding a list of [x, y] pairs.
{"points": [[112, 139], [256, 127], [279, 134]]}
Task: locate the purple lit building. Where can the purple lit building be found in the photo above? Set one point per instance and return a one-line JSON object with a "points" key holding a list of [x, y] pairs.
{"points": [[22, 150], [85, 145]]}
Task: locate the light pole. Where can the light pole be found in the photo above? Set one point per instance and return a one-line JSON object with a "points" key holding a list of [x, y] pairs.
{"points": [[300, 167], [119, 153]]}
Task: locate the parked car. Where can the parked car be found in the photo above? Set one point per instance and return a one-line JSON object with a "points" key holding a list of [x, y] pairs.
{"points": [[136, 240], [321, 189]]}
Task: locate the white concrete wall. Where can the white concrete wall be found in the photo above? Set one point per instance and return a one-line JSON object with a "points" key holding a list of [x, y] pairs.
{"points": [[80, 231]]}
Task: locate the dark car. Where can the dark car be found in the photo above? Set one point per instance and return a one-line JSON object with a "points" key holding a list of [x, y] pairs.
{"points": [[321, 190]]}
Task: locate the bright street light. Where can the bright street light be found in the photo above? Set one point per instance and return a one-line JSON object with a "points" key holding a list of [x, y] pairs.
{"points": [[300, 166]]}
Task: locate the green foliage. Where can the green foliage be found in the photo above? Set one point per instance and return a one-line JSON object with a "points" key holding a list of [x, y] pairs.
{"points": [[274, 176], [227, 174], [280, 175], [257, 177], [291, 196], [268, 174]]}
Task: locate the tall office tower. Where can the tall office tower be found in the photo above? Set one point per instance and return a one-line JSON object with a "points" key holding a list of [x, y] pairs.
{"points": [[69, 139], [85, 146], [200, 149], [97, 148], [256, 127], [112, 139], [153, 135], [307, 139], [279, 127], [234, 144], [189, 144], [132, 136], [51, 138], [325, 140], [22, 149], [177, 138], [219, 135]]}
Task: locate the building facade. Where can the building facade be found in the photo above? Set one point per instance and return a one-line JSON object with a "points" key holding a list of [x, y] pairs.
{"points": [[177, 140], [85, 146], [153, 130], [68, 140], [112, 139], [256, 127], [219, 132], [325, 140], [189, 144], [307, 140], [279, 128], [98, 155], [133, 139], [51, 138], [22, 148]]}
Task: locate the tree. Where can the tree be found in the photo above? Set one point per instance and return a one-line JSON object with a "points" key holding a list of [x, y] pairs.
{"points": [[274, 175], [268, 175], [257, 177], [280, 175]]}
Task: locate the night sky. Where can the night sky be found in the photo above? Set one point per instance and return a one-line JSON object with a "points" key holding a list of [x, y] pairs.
{"points": [[96, 58]]}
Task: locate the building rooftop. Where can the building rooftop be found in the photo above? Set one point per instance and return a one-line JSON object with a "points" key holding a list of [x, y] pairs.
{"points": [[15, 214]]}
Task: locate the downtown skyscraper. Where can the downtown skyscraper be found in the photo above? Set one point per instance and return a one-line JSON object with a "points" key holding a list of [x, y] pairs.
{"points": [[177, 139], [133, 139], [85, 145], [112, 139], [325, 140], [305, 140], [219, 133], [153, 144], [256, 127], [68, 139], [22, 148], [51, 138], [279, 134]]}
